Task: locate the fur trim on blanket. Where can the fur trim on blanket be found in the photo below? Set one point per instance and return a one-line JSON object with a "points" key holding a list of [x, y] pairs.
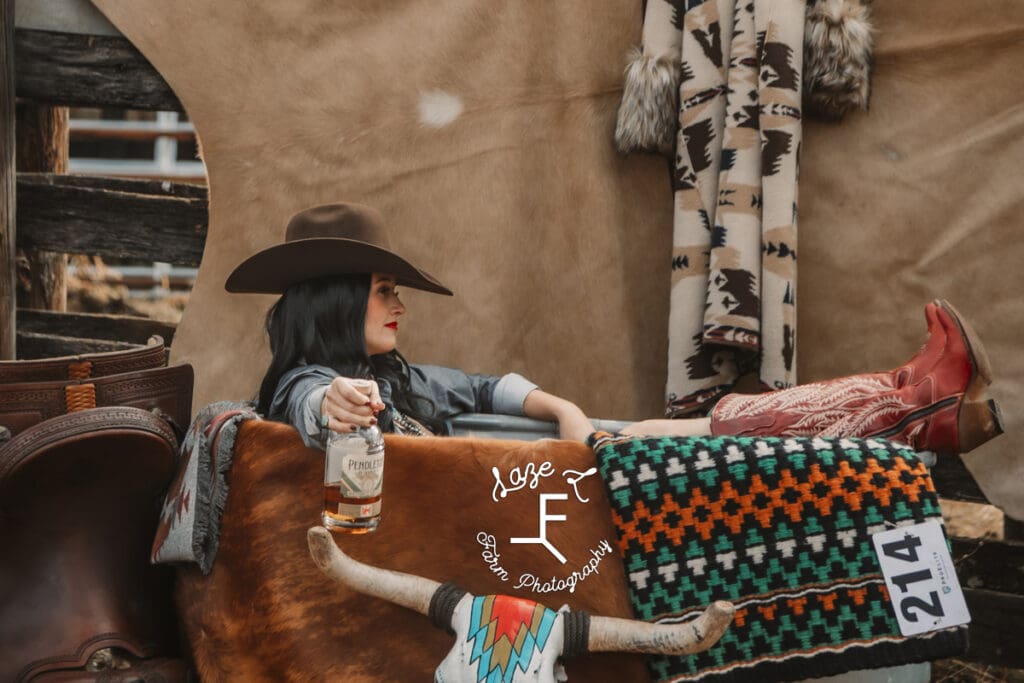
{"points": [[838, 42], [648, 115]]}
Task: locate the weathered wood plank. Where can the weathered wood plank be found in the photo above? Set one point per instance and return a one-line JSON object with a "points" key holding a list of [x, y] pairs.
{"points": [[123, 328], [8, 287], [989, 564], [42, 147], [32, 345], [954, 481], [1013, 530], [994, 632], [159, 188], [153, 221], [88, 71], [992, 575]]}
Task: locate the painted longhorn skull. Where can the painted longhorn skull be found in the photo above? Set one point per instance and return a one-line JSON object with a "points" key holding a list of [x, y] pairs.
{"points": [[508, 639]]}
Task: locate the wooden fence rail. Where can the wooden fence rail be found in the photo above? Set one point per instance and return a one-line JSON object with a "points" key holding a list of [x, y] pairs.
{"points": [[952, 478], [142, 219], [7, 179], [992, 576], [123, 328], [88, 71]]}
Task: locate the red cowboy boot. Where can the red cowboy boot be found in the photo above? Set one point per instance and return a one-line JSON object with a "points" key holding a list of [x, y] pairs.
{"points": [[935, 402]]}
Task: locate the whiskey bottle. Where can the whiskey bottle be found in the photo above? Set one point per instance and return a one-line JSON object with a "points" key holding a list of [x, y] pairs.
{"points": [[353, 478]]}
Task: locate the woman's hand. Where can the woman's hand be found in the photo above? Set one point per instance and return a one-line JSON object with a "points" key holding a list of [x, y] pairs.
{"points": [[572, 422], [349, 404]]}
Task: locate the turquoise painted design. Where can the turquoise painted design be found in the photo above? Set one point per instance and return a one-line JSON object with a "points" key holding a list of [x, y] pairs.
{"points": [[497, 623]]}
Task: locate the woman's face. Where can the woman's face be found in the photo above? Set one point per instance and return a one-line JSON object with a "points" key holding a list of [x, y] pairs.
{"points": [[382, 311]]}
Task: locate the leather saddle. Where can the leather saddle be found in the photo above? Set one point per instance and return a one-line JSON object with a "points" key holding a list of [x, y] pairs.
{"points": [[88, 445], [166, 390], [79, 502]]}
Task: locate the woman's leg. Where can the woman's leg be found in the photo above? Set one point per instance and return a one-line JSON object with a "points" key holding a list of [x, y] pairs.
{"points": [[937, 401], [699, 426]]}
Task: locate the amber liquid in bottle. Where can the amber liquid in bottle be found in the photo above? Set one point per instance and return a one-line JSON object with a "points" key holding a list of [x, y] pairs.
{"points": [[352, 515], [353, 477]]}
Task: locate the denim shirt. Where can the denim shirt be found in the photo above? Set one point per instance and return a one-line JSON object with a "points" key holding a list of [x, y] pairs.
{"points": [[301, 390]]}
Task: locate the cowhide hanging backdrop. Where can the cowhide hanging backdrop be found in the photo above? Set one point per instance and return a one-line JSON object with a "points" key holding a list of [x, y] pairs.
{"points": [[483, 131], [922, 197]]}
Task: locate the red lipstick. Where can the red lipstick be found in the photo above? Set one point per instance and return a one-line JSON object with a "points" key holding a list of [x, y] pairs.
{"points": [[393, 325]]}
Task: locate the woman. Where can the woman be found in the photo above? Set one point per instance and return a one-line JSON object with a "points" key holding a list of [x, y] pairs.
{"points": [[333, 336], [335, 365]]}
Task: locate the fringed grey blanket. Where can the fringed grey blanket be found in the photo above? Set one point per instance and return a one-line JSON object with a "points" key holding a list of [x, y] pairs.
{"points": [[189, 529]]}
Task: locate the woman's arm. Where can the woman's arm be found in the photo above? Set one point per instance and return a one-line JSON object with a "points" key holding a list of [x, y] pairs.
{"points": [[345, 403], [454, 392], [572, 422]]}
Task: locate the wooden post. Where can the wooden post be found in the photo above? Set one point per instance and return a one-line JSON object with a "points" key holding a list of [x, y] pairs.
{"points": [[42, 147], [1012, 529], [7, 183]]}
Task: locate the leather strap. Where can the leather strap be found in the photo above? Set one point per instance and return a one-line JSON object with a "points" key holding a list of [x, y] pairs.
{"points": [[152, 355], [577, 634], [156, 670], [442, 605], [166, 390], [80, 397], [80, 369]]}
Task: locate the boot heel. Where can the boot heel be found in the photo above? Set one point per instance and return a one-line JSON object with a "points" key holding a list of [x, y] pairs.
{"points": [[979, 357], [977, 422]]}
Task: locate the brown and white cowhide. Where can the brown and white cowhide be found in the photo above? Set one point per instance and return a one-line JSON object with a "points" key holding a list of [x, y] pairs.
{"points": [[481, 129], [267, 613]]}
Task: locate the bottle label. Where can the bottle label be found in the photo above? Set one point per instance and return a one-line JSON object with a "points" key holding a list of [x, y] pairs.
{"points": [[359, 511], [355, 469]]}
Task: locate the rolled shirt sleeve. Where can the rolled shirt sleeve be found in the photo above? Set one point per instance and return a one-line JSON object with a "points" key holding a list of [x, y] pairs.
{"points": [[454, 391], [510, 393], [298, 398], [311, 410]]}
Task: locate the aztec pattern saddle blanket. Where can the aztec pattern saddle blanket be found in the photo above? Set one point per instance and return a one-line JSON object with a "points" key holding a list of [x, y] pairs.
{"points": [[780, 527]]}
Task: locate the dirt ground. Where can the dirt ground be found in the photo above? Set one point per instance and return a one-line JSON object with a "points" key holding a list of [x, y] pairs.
{"points": [[94, 289], [958, 671]]}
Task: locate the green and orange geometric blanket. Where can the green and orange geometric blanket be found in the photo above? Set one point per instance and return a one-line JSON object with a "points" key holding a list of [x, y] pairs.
{"points": [[780, 527]]}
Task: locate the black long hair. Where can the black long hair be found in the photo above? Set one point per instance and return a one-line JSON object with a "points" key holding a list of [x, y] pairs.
{"points": [[322, 321]]}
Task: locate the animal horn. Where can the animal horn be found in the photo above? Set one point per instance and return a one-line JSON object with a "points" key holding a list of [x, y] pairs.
{"points": [[608, 634], [402, 589]]}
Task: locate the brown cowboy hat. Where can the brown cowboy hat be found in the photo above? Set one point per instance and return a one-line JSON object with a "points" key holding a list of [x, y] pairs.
{"points": [[333, 239]]}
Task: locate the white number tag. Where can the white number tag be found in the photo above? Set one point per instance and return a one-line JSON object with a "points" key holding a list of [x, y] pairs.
{"points": [[918, 571]]}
